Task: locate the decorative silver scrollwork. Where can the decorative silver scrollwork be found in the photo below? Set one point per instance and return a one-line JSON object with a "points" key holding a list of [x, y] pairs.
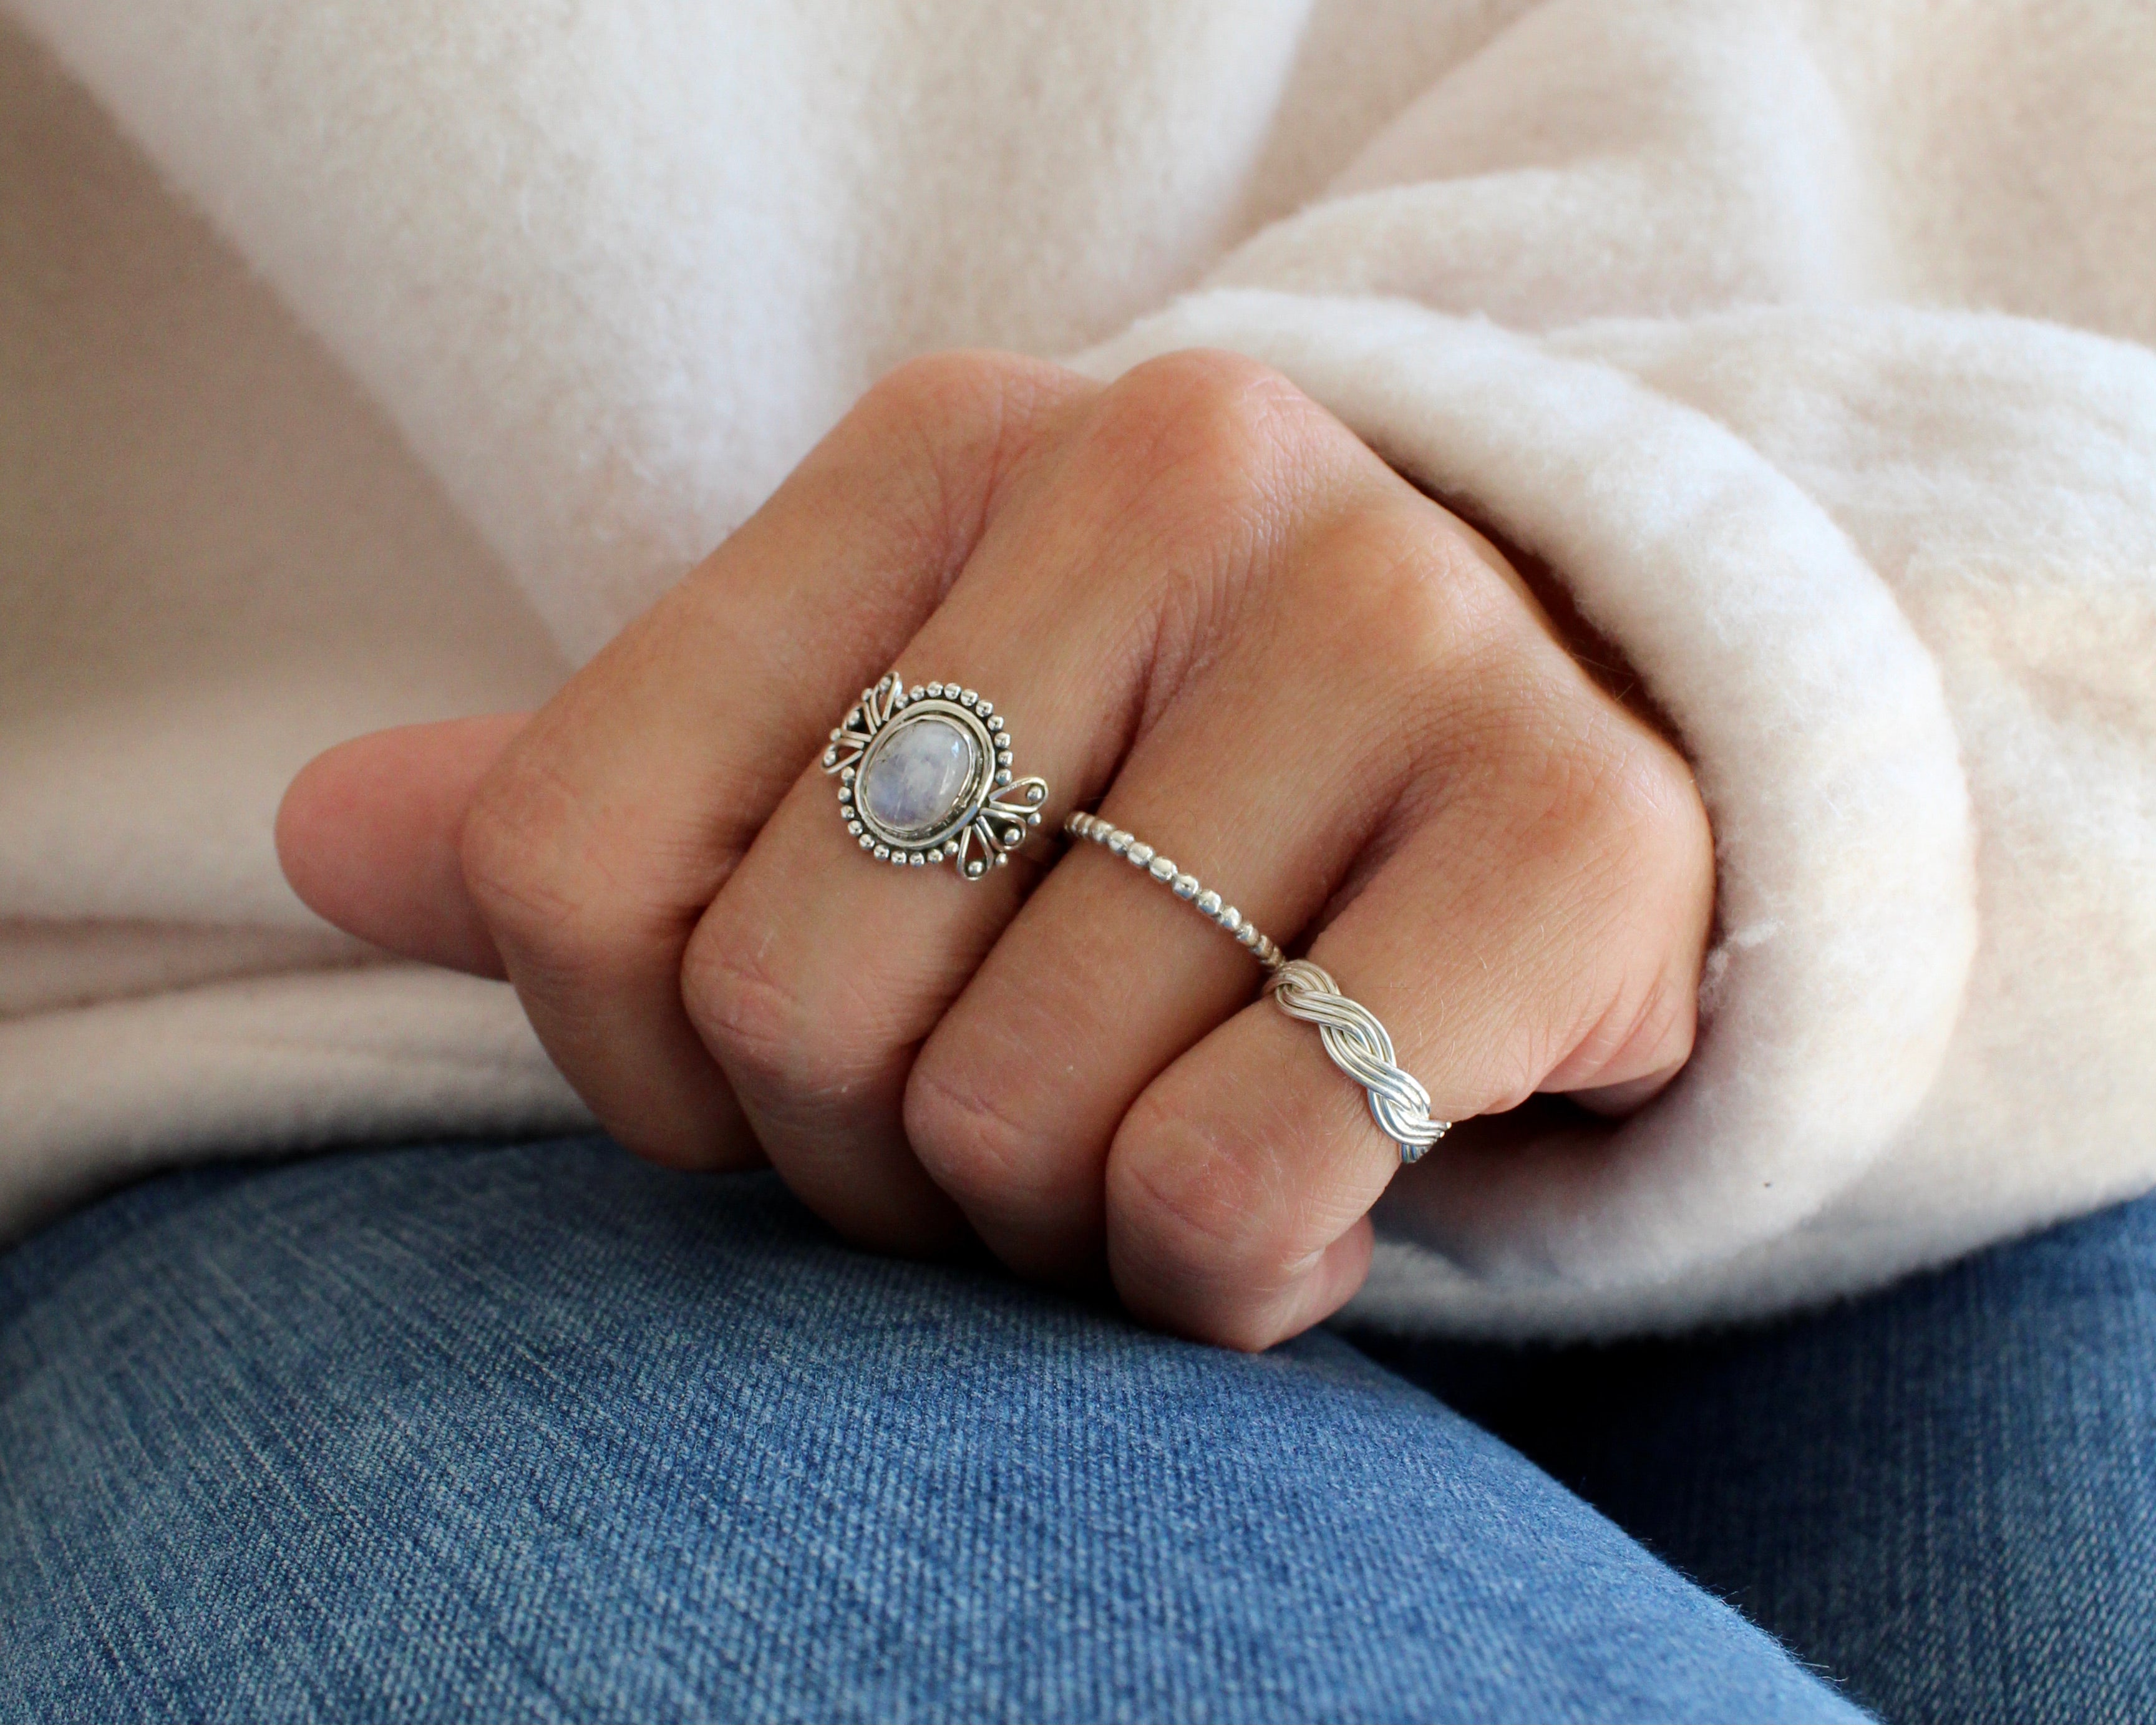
{"points": [[987, 816]]}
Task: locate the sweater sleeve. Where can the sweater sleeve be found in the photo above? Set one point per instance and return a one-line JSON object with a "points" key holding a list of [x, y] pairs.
{"points": [[1808, 341], [1887, 560]]}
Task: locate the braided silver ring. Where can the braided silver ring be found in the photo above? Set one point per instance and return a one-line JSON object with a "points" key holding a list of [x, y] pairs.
{"points": [[1356, 1042], [925, 777], [1361, 1048]]}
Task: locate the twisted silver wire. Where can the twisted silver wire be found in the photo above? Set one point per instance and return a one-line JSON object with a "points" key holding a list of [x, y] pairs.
{"points": [[1360, 1047], [1357, 1043]]}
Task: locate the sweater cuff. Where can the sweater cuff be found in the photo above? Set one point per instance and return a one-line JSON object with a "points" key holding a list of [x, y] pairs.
{"points": [[1819, 730]]}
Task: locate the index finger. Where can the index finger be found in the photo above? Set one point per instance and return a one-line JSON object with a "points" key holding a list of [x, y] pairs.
{"points": [[611, 821]]}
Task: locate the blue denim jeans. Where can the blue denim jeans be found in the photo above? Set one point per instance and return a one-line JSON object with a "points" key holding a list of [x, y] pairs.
{"points": [[539, 1432]]}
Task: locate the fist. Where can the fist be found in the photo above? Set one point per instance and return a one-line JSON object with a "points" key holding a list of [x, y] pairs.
{"points": [[1206, 611]]}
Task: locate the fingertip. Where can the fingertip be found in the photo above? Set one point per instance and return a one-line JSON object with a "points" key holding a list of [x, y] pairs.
{"points": [[1335, 1276], [300, 812], [367, 836], [315, 821], [1251, 1320], [712, 1138], [1206, 1242]]}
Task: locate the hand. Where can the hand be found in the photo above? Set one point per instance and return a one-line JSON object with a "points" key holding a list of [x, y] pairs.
{"points": [[1207, 610]]}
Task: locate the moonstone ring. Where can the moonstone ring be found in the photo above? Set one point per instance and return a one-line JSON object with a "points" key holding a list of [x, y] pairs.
{"points": [[925, 777]]}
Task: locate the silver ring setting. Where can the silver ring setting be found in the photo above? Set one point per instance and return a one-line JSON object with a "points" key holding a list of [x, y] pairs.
{"points": [[1355, 1040], [925, 777], [1360, 1047]]}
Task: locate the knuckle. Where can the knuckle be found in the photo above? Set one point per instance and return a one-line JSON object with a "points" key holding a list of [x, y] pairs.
{"points": [[1566, 772], [515, 849], [1632, 804], [758, 1027], [1421, 598], [1391, 603], [1196, 441], [959, 386], [972, 1146], [958, 424], [1191, 1211]]}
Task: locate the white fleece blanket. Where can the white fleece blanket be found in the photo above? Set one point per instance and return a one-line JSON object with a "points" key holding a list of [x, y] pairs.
{"points": [[1809, 343]]}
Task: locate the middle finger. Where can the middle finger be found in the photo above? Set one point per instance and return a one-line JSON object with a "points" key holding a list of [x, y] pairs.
{"points": [[817, 973], [1278, 773]]}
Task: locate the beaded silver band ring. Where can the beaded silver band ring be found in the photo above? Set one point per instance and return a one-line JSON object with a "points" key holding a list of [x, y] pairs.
{"points": [[1354, 1039], [1207, 903]]}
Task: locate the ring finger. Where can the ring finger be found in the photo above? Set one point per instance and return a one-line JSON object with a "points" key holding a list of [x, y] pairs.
{"points": [[1276, 774], [816, 973]]}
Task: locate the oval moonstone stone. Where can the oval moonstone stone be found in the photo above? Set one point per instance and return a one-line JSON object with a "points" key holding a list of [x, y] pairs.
{"points": [[917, 777]]}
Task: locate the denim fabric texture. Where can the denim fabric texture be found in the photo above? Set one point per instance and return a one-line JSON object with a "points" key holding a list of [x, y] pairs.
{"points": [[539, 1432], [1945, 1494]]}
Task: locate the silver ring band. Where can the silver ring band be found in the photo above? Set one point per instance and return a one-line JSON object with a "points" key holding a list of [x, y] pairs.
{"points": [[1354, 1039], [1361, 1048], [1187, 887]]}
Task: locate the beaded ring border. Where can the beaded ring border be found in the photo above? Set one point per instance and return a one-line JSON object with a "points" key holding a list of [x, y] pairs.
{"points": [[977, 823], [1357, 1043]]}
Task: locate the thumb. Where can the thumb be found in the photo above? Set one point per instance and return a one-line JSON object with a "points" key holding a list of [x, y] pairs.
{"points": [[368, 837]]}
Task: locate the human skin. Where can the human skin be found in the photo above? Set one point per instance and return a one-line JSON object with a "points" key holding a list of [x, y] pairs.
{"points": [[1208, 610]]}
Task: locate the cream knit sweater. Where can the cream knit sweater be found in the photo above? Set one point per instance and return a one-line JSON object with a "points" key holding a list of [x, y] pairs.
{"points": [[1809, 343]]}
